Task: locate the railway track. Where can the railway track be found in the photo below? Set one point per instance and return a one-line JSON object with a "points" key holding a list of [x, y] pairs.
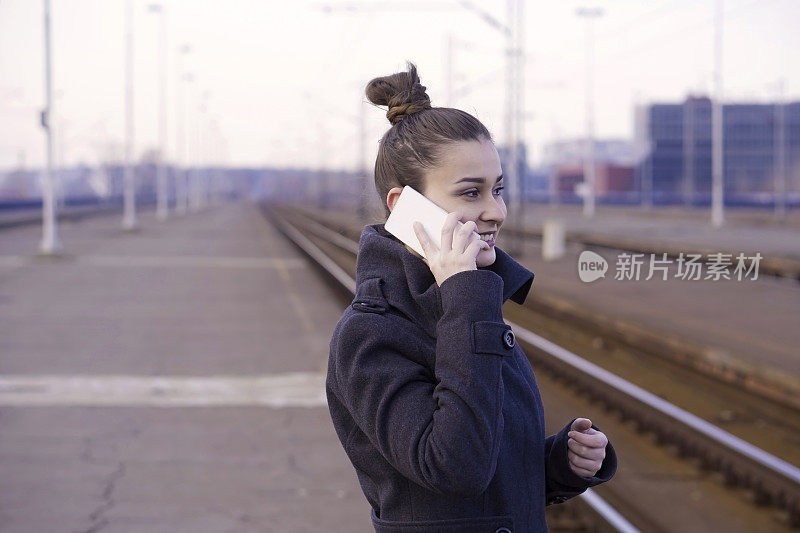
{"points": [[766, 479], [697, 358]]}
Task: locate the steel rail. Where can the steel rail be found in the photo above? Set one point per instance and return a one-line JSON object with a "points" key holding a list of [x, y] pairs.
{"points": [[743, 462]]}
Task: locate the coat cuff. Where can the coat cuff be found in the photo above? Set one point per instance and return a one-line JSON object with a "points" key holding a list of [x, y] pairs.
{"points": [[563, 480], [477, 294]]}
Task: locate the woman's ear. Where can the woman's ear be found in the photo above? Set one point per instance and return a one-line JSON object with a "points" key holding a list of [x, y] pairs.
{"points": [[392, 196]]}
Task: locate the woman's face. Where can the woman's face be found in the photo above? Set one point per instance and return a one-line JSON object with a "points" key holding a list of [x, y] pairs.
{"points": [[469, 178]]}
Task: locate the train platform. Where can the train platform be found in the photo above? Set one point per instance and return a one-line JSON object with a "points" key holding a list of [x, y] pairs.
{"points": [[744, 329], [168, 379]]}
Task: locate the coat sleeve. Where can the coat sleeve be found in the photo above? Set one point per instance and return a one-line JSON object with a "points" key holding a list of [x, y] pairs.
{"points": [[442, 433], [560, 481]]}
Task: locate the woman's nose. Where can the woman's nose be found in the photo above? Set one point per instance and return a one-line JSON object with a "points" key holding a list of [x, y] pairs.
{"points": [[494, 209]]}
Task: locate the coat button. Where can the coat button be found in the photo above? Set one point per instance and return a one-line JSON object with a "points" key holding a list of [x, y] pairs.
{"points": [[508, 339], [502, 530]]}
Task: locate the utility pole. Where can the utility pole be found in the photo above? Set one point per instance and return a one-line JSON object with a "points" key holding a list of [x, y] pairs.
{"points": [[162, 200], [129, 209], [718, 174], [588, 162], [50, 243]]}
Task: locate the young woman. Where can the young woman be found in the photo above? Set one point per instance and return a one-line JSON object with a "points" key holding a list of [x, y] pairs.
{"points": [[436, 405]]}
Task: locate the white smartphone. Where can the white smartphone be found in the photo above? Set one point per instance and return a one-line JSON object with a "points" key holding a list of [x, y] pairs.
{"points": [[412, 206]]}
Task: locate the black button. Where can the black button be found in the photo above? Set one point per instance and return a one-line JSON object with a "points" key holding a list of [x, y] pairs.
{"points": [[502, 530], [508, 339]]}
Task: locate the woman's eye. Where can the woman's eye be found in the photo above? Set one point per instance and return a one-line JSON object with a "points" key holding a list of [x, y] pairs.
{"points": [[473, 193]]}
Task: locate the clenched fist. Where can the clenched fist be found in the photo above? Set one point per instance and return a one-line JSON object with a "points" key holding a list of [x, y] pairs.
{"points": [[586, 448]]}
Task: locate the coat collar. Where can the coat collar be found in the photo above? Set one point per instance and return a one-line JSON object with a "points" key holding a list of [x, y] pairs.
{"points": [[409, 285]]}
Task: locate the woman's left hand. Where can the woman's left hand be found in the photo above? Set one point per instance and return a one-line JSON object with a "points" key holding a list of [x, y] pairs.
{"points": [[587, 448]]}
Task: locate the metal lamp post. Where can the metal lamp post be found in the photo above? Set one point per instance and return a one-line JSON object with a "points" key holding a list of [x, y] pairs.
{"points": [[588, 162], [129, 209], [50, 243], [162, 200]]}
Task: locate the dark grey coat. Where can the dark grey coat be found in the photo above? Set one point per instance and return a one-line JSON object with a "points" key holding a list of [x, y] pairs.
{"points": [[436, 405]]}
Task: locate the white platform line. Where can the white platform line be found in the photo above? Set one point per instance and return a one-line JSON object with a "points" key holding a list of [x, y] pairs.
{"points": [[186, 261], [13, 261], [292, 389]]}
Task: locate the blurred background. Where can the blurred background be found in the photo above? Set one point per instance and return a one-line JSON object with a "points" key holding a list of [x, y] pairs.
{"points": [[182, 189], [259, 91]]}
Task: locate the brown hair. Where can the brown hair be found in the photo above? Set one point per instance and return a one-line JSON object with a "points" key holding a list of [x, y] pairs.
{"points": [[419, 132]]}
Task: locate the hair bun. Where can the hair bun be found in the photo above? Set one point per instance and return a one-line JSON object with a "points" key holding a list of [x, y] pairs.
{"points": [[402, 93]]}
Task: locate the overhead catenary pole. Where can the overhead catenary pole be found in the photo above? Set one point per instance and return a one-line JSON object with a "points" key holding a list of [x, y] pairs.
{"points": [[60, 165], [448, 69], [202, 151], [519, 111], [511, 173], [515, 63], [644, 150], [162, 200], [322, 172], [193, 176], [647, 178], [513, 113], [181, 170], [688, 152], [514, 67], [213, 161], [129, 208], [362, 161], [589, 167], [197, 154], [718, 172], [50, 243], [780, 154]]}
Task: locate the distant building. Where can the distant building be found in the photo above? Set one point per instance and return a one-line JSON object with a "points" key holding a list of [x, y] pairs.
{"points": [[615, 160], [609, 178], [19, 184], [676, 140]]}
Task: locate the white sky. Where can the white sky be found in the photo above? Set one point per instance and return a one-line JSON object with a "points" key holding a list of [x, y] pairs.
{"points": [[284, 79]]}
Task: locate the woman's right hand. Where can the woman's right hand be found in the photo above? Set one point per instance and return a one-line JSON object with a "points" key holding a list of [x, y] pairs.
{"points": [[454, 254]]}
